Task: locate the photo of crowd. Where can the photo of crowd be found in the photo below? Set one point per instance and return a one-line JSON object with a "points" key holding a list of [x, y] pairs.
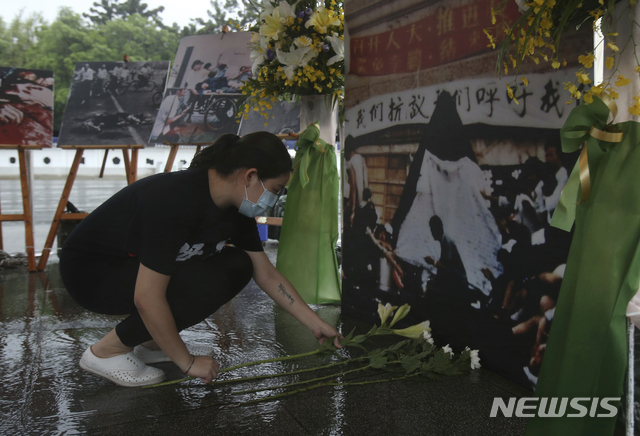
{"points": [[455, 220], [113, 103], [203, 97], [26, 106]]}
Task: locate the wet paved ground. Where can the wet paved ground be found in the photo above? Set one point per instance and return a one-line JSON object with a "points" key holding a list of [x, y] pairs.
{"points": [[87, 194], [43, 333]]}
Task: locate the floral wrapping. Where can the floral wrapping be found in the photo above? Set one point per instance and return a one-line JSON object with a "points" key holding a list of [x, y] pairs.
{"points": [[586, 355]]}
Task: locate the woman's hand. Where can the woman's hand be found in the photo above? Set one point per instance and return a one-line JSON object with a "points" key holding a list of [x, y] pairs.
{"points": [[326, 331], [205, 368]]}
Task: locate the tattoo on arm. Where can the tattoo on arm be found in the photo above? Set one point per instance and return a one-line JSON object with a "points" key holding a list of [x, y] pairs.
{"points": [[285, 294]]}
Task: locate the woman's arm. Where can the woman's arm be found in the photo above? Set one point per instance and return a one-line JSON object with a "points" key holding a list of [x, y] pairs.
{"points": [[151, 301], [271, 281]]}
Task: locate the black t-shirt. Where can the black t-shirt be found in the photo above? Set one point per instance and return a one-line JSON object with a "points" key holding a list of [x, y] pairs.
{"points": [[163, 220]]}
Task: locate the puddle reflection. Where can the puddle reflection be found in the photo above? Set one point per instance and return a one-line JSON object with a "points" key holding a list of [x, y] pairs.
{"points": [[43, 334]]}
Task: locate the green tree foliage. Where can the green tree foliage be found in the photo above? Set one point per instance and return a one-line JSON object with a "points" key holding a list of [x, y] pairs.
{"points": [[243, 12], [111, 30], [68, 40], [18, 36], [108, 10]]}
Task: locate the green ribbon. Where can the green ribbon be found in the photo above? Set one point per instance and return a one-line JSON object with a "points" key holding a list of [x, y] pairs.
{"points": [[586, 123], [308, 140]]}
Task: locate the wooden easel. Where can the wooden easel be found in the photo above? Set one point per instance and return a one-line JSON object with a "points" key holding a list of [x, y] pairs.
{"points": [[131, 168], [174, 151], [26, 216]]}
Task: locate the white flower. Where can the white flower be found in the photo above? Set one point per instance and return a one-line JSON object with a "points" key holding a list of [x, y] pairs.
{"points": [[287, 10], [414, 331], [267, 7], [475, 359], [427, 336], [521, 5], [447, 349], [337, 44], [257, 58], [321, 19], [297, 57], [385, 311], [400, 313], [273, 26], [255, 37], [303, 41]]}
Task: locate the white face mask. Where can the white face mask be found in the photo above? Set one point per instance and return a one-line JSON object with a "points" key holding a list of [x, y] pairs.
{"points": [[248, 208]]}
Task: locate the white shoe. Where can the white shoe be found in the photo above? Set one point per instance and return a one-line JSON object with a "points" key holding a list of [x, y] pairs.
{"points": [[124, 370], [148, 355]]}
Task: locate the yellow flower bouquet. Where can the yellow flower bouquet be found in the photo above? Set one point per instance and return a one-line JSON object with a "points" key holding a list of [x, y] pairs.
{"points": [[296, 49], [537, 36]]}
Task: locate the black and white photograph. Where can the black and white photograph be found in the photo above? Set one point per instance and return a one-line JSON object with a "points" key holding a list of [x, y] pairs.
{"points": [[26, 106], [485, 269], [113, 103], [203, 97]]}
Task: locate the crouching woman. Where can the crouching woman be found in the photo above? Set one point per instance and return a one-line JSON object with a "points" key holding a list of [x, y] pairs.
{"points": [[168, 250]]}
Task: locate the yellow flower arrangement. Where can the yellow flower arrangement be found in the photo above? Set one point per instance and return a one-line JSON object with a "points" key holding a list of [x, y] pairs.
{"points": [[536, 36], [296, 49]]}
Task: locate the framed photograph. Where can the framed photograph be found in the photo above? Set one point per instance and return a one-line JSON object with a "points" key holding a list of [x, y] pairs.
{"points": [[203, 97], [26, 106], [113, 103]]}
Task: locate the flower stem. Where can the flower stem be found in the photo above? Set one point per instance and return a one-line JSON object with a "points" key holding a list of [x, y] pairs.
{"points": [[275, 359], [284, 374], [243, 365], [362, 368], [286, 394], [320, 385]]}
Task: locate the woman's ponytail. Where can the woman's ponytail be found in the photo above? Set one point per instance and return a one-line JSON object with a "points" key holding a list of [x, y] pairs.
{"points": [[261, 150], [216, 152]]}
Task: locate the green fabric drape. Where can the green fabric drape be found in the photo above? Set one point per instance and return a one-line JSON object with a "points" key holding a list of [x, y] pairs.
{"points": [[586, 354], [306, 254]]}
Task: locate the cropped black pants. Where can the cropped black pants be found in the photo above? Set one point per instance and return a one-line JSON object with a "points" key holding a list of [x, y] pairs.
{"points": [[104, 284]]}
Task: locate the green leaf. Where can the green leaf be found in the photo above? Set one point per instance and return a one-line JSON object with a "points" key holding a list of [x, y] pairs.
{"points": [[374, 353], [359, 339], [356, 345], [349, 337], [410, 363], [378, 362]]}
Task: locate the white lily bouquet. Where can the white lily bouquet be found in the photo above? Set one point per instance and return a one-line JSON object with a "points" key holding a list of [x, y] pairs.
{"points": [[414, 357], [297, 49]]}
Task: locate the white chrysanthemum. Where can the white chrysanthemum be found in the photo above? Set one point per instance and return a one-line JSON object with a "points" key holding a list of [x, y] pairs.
{"points": [[475, 358], [303, 41], [448, 349], [427, 336]]}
